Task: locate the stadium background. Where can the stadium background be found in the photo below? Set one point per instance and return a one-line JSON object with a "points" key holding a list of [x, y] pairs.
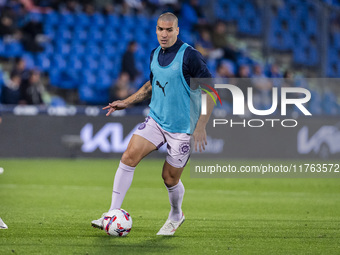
{"points": [[48, 204], [78, 50]]}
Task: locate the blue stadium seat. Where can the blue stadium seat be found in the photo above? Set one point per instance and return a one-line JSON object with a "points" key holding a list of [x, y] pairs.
{"points": [[105, 63], [110, 35], [299, 54], [12, 49], [141, 53], [95, 35], [128, 21], [90, 62], [104, 80], [50, 31], [336, 40], [126, 36], [227, 10], [80, 34], [329, 104], [92, 50], [77, 49], [93, 96], [98, 20], [280, 41], [58, 62], [62, 48], [42, 61], [186, 36], [315, 106], [306, 55], [64, 78], [294, 25], [51, 19], [313, 56], [283, 13], [74, 63], [67, 19], [303, 40], [312, 27], [88, 77], [250, 26], [109, 50], [63, 33], [83, 20], [35, 16], [332, 69], [29, 59], [2, 47], [113, 21], [143, 22]]}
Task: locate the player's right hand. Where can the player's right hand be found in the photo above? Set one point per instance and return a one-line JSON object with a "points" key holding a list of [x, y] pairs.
{"points": [[116, 105]]}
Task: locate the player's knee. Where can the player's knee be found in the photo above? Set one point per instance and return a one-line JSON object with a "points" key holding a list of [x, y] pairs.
{"points": [[129, 158], [169, 180]]}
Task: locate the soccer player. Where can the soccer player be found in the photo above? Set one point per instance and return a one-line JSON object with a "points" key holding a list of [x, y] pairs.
{"points": [[173, 63]]}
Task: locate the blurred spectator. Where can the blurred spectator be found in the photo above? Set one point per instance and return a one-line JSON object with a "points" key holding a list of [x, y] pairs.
{"points": [[244, 83], [156, 7], [54, 4], [204, 44], [262, 89], [108, 9], [224, 70], [89, 9], [288, 79], [71, 6], [219, 39], [11, 93], [21, 70], [122, 88], [258, 71], [128, 61], [33, 91], [8, 30], [33, 34], [224, 73], [274, 71], [288, 74], [135, 5], [243, 71]]}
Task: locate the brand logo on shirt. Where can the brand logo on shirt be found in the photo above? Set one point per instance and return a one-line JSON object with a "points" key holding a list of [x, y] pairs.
{"points": [[162, 87]]}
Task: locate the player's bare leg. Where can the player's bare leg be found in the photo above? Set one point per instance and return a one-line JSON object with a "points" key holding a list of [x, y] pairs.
{"points": [[171, 176], [137, 149]]}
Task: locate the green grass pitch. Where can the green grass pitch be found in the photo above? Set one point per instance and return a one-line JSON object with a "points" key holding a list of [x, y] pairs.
{"points": [[48, 206]]}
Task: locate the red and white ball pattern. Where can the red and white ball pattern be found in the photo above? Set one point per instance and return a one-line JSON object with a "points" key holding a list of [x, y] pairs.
{"points": [[117, 222]]}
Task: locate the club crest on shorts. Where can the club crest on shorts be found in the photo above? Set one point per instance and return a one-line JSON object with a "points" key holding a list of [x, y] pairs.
{"points": [[184, 148], [142, 126]]}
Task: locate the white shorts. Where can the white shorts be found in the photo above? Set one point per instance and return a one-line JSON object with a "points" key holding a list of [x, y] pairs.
{"points": [[178, 147]]}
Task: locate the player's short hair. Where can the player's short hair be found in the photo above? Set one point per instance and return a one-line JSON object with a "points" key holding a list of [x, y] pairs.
{"points": [[168, 16]]}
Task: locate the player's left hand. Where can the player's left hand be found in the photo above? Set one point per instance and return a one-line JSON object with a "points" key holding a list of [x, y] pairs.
{"points": [[200, 138]]}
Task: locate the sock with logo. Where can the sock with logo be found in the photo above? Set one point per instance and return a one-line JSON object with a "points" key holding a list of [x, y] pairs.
{"points": [[176, 194], [121, 184]]}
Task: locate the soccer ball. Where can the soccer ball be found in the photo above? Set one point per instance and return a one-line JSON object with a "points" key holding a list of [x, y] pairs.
{"points": [[117, 222]]}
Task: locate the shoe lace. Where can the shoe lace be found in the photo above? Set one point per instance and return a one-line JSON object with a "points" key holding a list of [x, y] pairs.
{"points": [[170, 225]]}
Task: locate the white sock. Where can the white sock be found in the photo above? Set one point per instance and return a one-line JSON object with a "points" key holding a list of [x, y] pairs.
{"points": [[121, 184], [176, 194]]}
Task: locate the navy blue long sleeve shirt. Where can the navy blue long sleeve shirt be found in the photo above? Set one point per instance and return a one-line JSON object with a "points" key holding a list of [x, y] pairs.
{"points": [[194, 66]]}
